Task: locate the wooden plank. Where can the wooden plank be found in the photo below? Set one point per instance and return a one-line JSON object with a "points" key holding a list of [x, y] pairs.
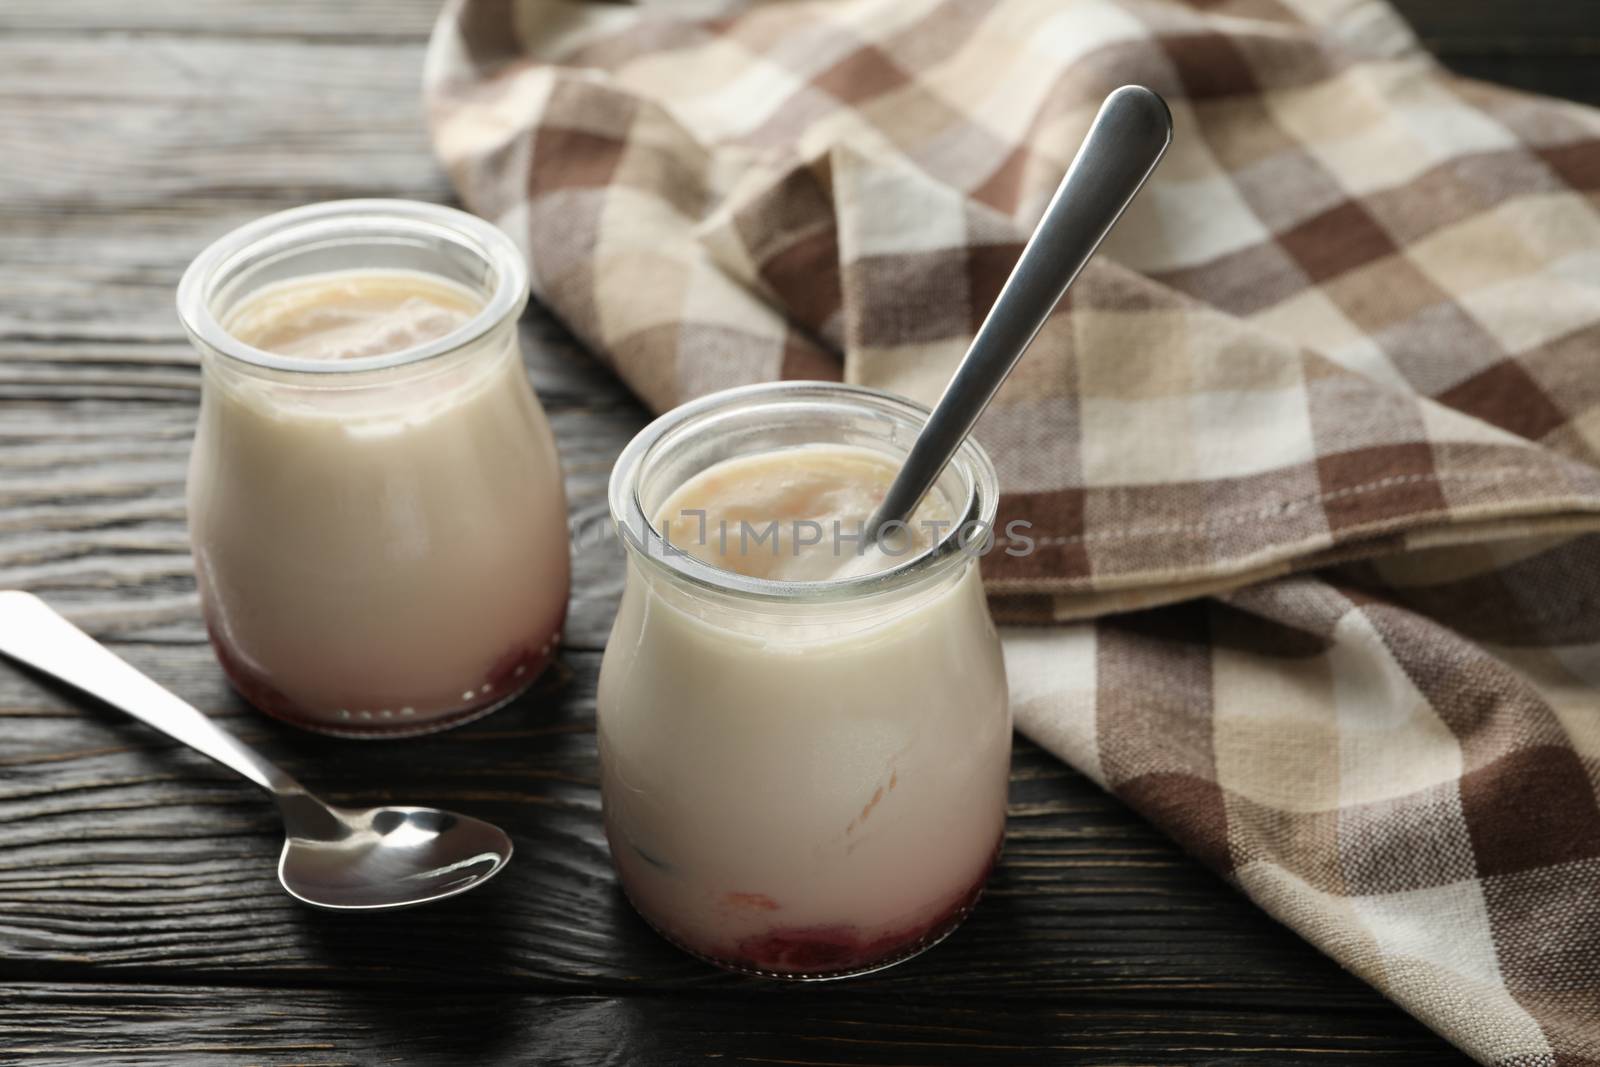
{"points": [[173, 126], [1550, 27], [1571, 77], [169, 146], [305, 21], [166, 1026], [1552, 47]]}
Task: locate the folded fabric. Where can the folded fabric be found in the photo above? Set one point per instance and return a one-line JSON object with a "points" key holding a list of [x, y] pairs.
{"points": [[1312, 448]]}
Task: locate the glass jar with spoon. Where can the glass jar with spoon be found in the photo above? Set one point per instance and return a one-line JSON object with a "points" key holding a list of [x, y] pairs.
{"points": [[802, 775]]}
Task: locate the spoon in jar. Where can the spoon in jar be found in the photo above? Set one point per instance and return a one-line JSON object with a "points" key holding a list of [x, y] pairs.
{"points": [[343, 859], [1123, 146]]}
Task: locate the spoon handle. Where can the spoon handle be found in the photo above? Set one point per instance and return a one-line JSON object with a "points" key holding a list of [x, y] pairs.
{"points": [[33, 633], [1122, 148]]}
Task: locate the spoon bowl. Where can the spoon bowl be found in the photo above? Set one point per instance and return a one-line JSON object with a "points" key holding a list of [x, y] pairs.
{"points": [[389, 858]]}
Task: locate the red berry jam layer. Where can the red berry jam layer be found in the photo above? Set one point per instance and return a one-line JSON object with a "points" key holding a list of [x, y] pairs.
{"points": [[841, 950]]}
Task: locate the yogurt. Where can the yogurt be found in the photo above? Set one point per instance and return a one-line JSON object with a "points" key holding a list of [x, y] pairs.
{"points": [[805, 785], [351, 314], [797, 515], [379, 549]]}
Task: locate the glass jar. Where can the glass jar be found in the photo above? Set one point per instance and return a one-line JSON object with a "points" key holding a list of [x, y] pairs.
{"points": [[380, 542], [800, 779]]}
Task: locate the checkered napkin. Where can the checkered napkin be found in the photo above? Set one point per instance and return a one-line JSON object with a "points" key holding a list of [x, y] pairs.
{"points": [[1309, 454]]}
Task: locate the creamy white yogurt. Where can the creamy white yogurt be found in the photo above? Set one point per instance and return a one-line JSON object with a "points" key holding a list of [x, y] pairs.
{"points": [[351, 314], [797, 514]]}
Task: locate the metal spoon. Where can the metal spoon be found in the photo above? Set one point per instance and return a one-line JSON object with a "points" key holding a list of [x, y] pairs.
{"points": [[1122, 148], [339, 858]]}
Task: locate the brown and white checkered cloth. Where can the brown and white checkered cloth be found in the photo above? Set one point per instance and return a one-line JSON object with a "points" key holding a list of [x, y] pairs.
{"points": [[1325, 409]]}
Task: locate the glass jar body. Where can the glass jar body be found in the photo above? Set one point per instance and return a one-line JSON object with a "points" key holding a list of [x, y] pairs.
{"points": [[379, 551], [804, 788]]}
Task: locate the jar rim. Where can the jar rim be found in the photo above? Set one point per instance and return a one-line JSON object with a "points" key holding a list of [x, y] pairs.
{"points": [[286, 229], [641, 538]]}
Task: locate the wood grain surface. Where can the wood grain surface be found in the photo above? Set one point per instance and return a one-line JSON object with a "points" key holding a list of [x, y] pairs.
{"points": [[140, 922]]}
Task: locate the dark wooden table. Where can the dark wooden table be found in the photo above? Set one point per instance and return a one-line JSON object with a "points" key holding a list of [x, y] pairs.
{"points": [[140, 921]]}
